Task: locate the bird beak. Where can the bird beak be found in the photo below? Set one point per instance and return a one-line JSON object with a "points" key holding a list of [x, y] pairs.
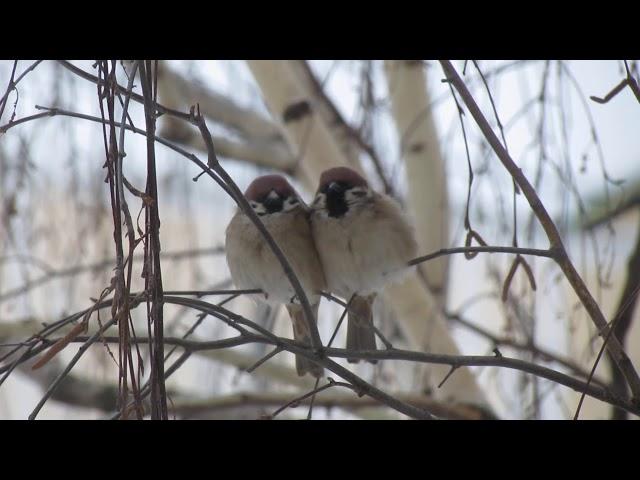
{"points": [[335, 187], [273, 202]]}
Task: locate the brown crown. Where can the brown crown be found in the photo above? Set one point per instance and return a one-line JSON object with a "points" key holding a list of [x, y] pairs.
{"points": [[261, 186], [341, 174]]}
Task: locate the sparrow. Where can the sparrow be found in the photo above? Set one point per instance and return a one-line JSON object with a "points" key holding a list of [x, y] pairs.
{"points": [[364, 241], [253, 265]]}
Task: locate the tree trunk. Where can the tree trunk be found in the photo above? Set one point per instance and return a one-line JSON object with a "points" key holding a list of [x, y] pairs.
{"points": [[308, 136]]}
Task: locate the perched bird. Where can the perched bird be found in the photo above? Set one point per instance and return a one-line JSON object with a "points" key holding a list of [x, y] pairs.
{"points": [[253, 264], [364, 241]]}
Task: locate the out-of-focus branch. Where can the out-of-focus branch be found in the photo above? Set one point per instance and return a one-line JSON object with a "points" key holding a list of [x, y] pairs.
{"points": [[538, 351], [178, 92], [52, 274], [264, 153], [52, 112], [61, 376], [73, 390], [262, 143], [81, 392], [623, 317], [405, 355], [259, 142], [328, 400]]}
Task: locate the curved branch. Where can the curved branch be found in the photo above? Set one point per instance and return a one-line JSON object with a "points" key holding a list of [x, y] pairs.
{"points": [[243, 204], [599, 393], [548, 253]]}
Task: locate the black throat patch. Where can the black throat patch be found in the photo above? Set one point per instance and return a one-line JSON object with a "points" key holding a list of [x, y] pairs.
{"points": [[336, 203], [273, 204]]}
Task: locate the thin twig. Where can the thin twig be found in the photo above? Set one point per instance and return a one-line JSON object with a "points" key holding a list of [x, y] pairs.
{"points": [[269, 355], [52, 112], [548, 253], [13, 83], [52, 274], [392, 354], [536, 350], [69, 366], [630, 81], [296, 401]]}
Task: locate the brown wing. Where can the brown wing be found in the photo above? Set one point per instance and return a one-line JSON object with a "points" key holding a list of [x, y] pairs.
{"points": [[302, 252], [390, 212]]}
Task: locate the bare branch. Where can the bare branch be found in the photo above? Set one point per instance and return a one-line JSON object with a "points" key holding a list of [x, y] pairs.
{"points": [[562, 258], [548, 253], [237, 195], [630, 81], [69, 366]]}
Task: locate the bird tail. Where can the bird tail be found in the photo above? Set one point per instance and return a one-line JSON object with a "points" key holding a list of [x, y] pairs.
{"points": [[301, 334], [360, 332]]}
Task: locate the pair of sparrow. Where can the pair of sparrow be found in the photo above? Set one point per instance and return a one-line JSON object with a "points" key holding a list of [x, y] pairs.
{"points": [[351, 241]]}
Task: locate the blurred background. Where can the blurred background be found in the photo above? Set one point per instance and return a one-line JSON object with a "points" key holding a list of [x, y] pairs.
{"points": [[396, 122]]}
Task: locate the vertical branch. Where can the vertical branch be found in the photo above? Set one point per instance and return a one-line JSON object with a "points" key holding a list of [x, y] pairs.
{"points": [[106, 90], [152, 271], [123, 327], [11, 86]]}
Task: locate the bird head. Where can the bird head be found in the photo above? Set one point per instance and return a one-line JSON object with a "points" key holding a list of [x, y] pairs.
{"points": [[271, 194], [341, 189]]}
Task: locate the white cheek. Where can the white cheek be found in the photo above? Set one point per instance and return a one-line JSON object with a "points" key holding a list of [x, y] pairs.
{"points": [[319, 202], [288, 206], [360, 197]]}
